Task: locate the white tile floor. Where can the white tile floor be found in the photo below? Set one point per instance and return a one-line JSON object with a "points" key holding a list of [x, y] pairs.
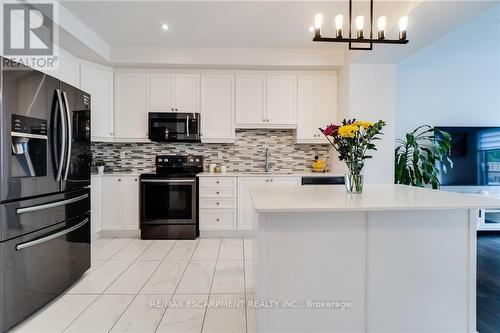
{"points": [[156, 286]]}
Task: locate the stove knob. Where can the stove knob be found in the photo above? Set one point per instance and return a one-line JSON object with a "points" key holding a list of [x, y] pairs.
{"points": [[160, 160]]}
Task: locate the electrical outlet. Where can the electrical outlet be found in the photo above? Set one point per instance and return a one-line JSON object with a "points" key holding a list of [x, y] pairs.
{"points": [[123, 154], [219, 156]]}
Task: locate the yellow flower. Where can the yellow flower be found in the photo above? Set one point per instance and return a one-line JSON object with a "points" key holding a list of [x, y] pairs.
{"points": [[348, 131], [365, 124]]}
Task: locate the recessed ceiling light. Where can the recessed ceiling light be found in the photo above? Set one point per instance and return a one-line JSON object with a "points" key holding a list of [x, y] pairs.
{"points": [[164, 26], [311, 28]]}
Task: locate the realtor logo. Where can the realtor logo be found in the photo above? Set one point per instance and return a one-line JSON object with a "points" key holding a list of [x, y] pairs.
{"points": [[28, 30]]}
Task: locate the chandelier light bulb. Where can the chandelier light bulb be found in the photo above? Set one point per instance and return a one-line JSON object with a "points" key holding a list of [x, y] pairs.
{"points": [[403, 25], [318, 20], [381, 23], [339, 23], [360, 23]]}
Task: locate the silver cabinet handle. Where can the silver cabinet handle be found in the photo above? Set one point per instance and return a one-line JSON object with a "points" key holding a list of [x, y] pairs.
{"points": [[52, 236], [50, 204], [168, 180], [69, 133], [63, 130], [187, 125]]}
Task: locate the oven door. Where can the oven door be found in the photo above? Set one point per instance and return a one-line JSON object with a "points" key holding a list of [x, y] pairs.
{"points": [[168, 201]]}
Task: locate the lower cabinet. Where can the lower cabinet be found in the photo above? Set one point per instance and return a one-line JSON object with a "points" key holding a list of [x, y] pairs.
{"points": [[95, 204], [246, 214], [226, 204], [120, 202]]}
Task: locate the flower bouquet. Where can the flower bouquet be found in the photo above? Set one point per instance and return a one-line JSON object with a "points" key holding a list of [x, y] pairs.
{"points": [[353, 139]]}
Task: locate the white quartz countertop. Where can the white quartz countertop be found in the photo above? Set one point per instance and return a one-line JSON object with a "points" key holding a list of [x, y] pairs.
{"points": [[374, 197], [270, 174]]}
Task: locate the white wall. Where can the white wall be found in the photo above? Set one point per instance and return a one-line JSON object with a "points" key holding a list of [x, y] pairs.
{"points": [[454, 81], [372, 97]]}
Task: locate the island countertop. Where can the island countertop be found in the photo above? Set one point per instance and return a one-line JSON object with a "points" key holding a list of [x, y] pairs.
{"points": [[373, 198]]}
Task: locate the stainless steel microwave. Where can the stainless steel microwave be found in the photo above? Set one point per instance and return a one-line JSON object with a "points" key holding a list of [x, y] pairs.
{"points": [[174, 127]]}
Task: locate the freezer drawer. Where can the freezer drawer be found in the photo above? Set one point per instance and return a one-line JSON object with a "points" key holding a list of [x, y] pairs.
{"points": [[38, 267], [22, 217]]}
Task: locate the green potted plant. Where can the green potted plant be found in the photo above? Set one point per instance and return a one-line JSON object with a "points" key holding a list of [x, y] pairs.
{"points": [[100, 166], [421, 155]]}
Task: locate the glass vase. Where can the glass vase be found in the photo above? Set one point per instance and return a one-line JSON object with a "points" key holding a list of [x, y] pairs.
{"points": [[354, 178]]}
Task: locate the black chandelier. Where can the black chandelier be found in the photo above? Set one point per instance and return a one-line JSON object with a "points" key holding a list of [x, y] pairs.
{"points": [[360, 22]]}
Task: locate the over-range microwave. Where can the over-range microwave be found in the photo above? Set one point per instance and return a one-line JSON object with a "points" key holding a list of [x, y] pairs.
{"points": [[174, 127]]}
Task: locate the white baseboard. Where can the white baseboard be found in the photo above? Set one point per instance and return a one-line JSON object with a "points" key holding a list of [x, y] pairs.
{"points": [[225, 233]]}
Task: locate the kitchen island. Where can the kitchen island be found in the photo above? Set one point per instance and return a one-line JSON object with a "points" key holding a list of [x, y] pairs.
{"points": [[393, 259]]}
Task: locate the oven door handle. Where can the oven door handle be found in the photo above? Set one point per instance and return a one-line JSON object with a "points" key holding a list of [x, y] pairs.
{"points": [[51, 236], [187, 125], [168, 180], [50, 204]]}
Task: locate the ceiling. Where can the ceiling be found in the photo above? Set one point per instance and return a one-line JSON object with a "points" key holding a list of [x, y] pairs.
{"points": [[223, 24], [131, 30]]}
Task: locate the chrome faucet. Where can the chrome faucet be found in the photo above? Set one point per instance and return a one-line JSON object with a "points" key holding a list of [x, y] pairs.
{"points": [[266, 162]]}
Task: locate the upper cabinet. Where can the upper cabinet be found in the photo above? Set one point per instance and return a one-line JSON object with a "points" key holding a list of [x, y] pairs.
{"points": [[281, 107], [217, 108], [250, 99], [98, 82], [317, 107], [131, 105], [175, 92], [266, 101]]}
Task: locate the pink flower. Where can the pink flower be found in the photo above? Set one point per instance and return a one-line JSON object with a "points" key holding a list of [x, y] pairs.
{"points": [[330, 130]]}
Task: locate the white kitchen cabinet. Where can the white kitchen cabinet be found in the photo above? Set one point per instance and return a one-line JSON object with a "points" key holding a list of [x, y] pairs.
{"points": [[162, 92], [120, 202], [68, 69], [131, 105], [266, 101], [281, 98], [96, 204], [175, 92], [246, 214], [250, 100], [98, 82], [317, 107], [217, 108], [218, 204]]}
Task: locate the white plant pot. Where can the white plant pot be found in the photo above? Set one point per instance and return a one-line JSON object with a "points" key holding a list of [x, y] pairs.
{"points": [[100, 169]]}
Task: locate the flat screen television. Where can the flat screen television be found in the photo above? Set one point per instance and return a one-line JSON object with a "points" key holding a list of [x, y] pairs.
{"points": [[475, 154]]}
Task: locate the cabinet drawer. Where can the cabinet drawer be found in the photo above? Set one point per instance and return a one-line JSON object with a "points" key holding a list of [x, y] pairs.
{"points": [[218, 203], [218, 182], [218, 219], [217, 192]]}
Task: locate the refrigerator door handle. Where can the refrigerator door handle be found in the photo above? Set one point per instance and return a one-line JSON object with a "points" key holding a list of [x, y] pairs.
{"points": [[50, 204], [62, 150], [69, 134], [51, 236]]}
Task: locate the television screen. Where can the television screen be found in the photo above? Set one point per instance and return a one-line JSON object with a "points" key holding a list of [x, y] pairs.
{"points": [[475, 154]]}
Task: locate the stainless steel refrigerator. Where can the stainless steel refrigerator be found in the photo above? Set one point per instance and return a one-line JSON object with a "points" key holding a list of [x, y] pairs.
{"points": [[45, 162]]}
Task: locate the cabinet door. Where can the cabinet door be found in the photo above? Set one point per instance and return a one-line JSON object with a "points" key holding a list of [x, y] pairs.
{"points": [[99, 84], [187, 93], [250, 100], [128, 188], [217, 108], [95, 204], [307, 122], [285, 181], [281, 100], [246, 214], [110, 204], [68, 69], [327, 101], [162, 92], [131, 105]]}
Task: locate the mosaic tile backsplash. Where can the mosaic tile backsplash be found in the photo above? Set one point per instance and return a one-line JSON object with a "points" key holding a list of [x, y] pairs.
{"points": [[245, 155]]}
